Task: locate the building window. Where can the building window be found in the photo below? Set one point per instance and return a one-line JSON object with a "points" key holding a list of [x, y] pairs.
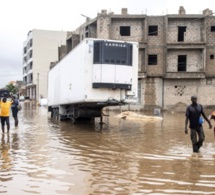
{"points": [[153, 30], [31, 43], [69, 44], [212, 28], [31, 65], [181, 31], [24, 60], [182, 63], [30, 54], [125, 30], [25, 80], [152, 59], [211, 56], [31, 78], [24, 50], [86, 31]]}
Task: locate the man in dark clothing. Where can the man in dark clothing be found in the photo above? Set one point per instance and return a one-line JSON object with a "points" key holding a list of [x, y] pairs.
{"points": [[193, 113], [14, 108]]}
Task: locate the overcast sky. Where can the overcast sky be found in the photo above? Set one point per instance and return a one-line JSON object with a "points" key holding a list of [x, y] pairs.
{"points": [[18, 17]]}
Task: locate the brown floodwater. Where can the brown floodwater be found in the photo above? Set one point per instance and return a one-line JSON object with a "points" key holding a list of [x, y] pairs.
{"points": [[126, 157]]}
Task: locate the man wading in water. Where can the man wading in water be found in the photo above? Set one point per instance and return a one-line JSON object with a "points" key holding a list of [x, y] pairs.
{"points": [[15, 110], [193, 113], [5, 114]]}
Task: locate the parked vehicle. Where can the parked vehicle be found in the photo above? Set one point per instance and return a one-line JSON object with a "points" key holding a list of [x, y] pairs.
{"points": [[21, 98], [95, 74]]}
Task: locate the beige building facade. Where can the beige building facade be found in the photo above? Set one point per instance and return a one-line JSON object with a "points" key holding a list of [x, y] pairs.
{"points": [[176, 53], [39, 49]]}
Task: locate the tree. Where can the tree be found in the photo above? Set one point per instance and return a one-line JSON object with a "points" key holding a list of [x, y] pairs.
{"points": [[12, 89]]}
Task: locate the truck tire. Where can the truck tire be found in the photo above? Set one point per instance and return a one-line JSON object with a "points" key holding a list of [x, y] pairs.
{"points": [[52, 114], [55, 113], [62, 117]]}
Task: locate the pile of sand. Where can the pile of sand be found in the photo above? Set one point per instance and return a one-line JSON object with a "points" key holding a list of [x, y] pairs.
{"points": [[134, 116]]}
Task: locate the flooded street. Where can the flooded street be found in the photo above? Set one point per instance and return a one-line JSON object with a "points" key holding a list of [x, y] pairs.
{"points": [[127, 157]]}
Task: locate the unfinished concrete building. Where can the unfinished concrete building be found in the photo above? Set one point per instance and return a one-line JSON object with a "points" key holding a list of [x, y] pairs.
{"points": [[176, 53]]}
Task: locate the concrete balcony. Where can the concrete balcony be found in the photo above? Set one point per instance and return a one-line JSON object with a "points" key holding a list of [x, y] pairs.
{"points": [[186, 45], [30, 71], [24, 64], [30, 84], [185, 75], [142, 45], [142, 75]]}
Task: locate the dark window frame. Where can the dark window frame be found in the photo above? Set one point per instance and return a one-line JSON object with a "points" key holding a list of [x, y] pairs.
{"points": [[181, 32], [152, 59], [212, 28], [182, 63], [152, 30], [125, 31], [87, 31]]}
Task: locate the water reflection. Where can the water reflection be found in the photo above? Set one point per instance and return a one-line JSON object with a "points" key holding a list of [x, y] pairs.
{"points": [[5, 155], [44, 156]]}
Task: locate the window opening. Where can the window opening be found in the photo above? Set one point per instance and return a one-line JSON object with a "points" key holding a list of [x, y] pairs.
{"points": [[31, 65], [25, 50], [25, 59], [152, 59], [182, 63], [211, 56], [125, 30], [31, 43], [153, 30], [86, 31], [31, 54], [69, 45], [212, 28], [31, 78], [181, 31]]}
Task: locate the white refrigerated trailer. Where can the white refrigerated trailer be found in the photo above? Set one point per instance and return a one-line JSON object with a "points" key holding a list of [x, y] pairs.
{"points": [[97, 73]]}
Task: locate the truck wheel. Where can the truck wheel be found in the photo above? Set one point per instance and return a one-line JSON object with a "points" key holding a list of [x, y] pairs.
{"points": [[52, 114], [62, 117], [55, 113]]}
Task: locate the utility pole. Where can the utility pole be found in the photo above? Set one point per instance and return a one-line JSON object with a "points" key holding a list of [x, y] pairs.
{"points": [[38, 95]]}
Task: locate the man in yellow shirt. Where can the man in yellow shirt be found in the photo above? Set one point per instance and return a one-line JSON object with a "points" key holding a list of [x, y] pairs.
{"points": [[5, 113]]}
